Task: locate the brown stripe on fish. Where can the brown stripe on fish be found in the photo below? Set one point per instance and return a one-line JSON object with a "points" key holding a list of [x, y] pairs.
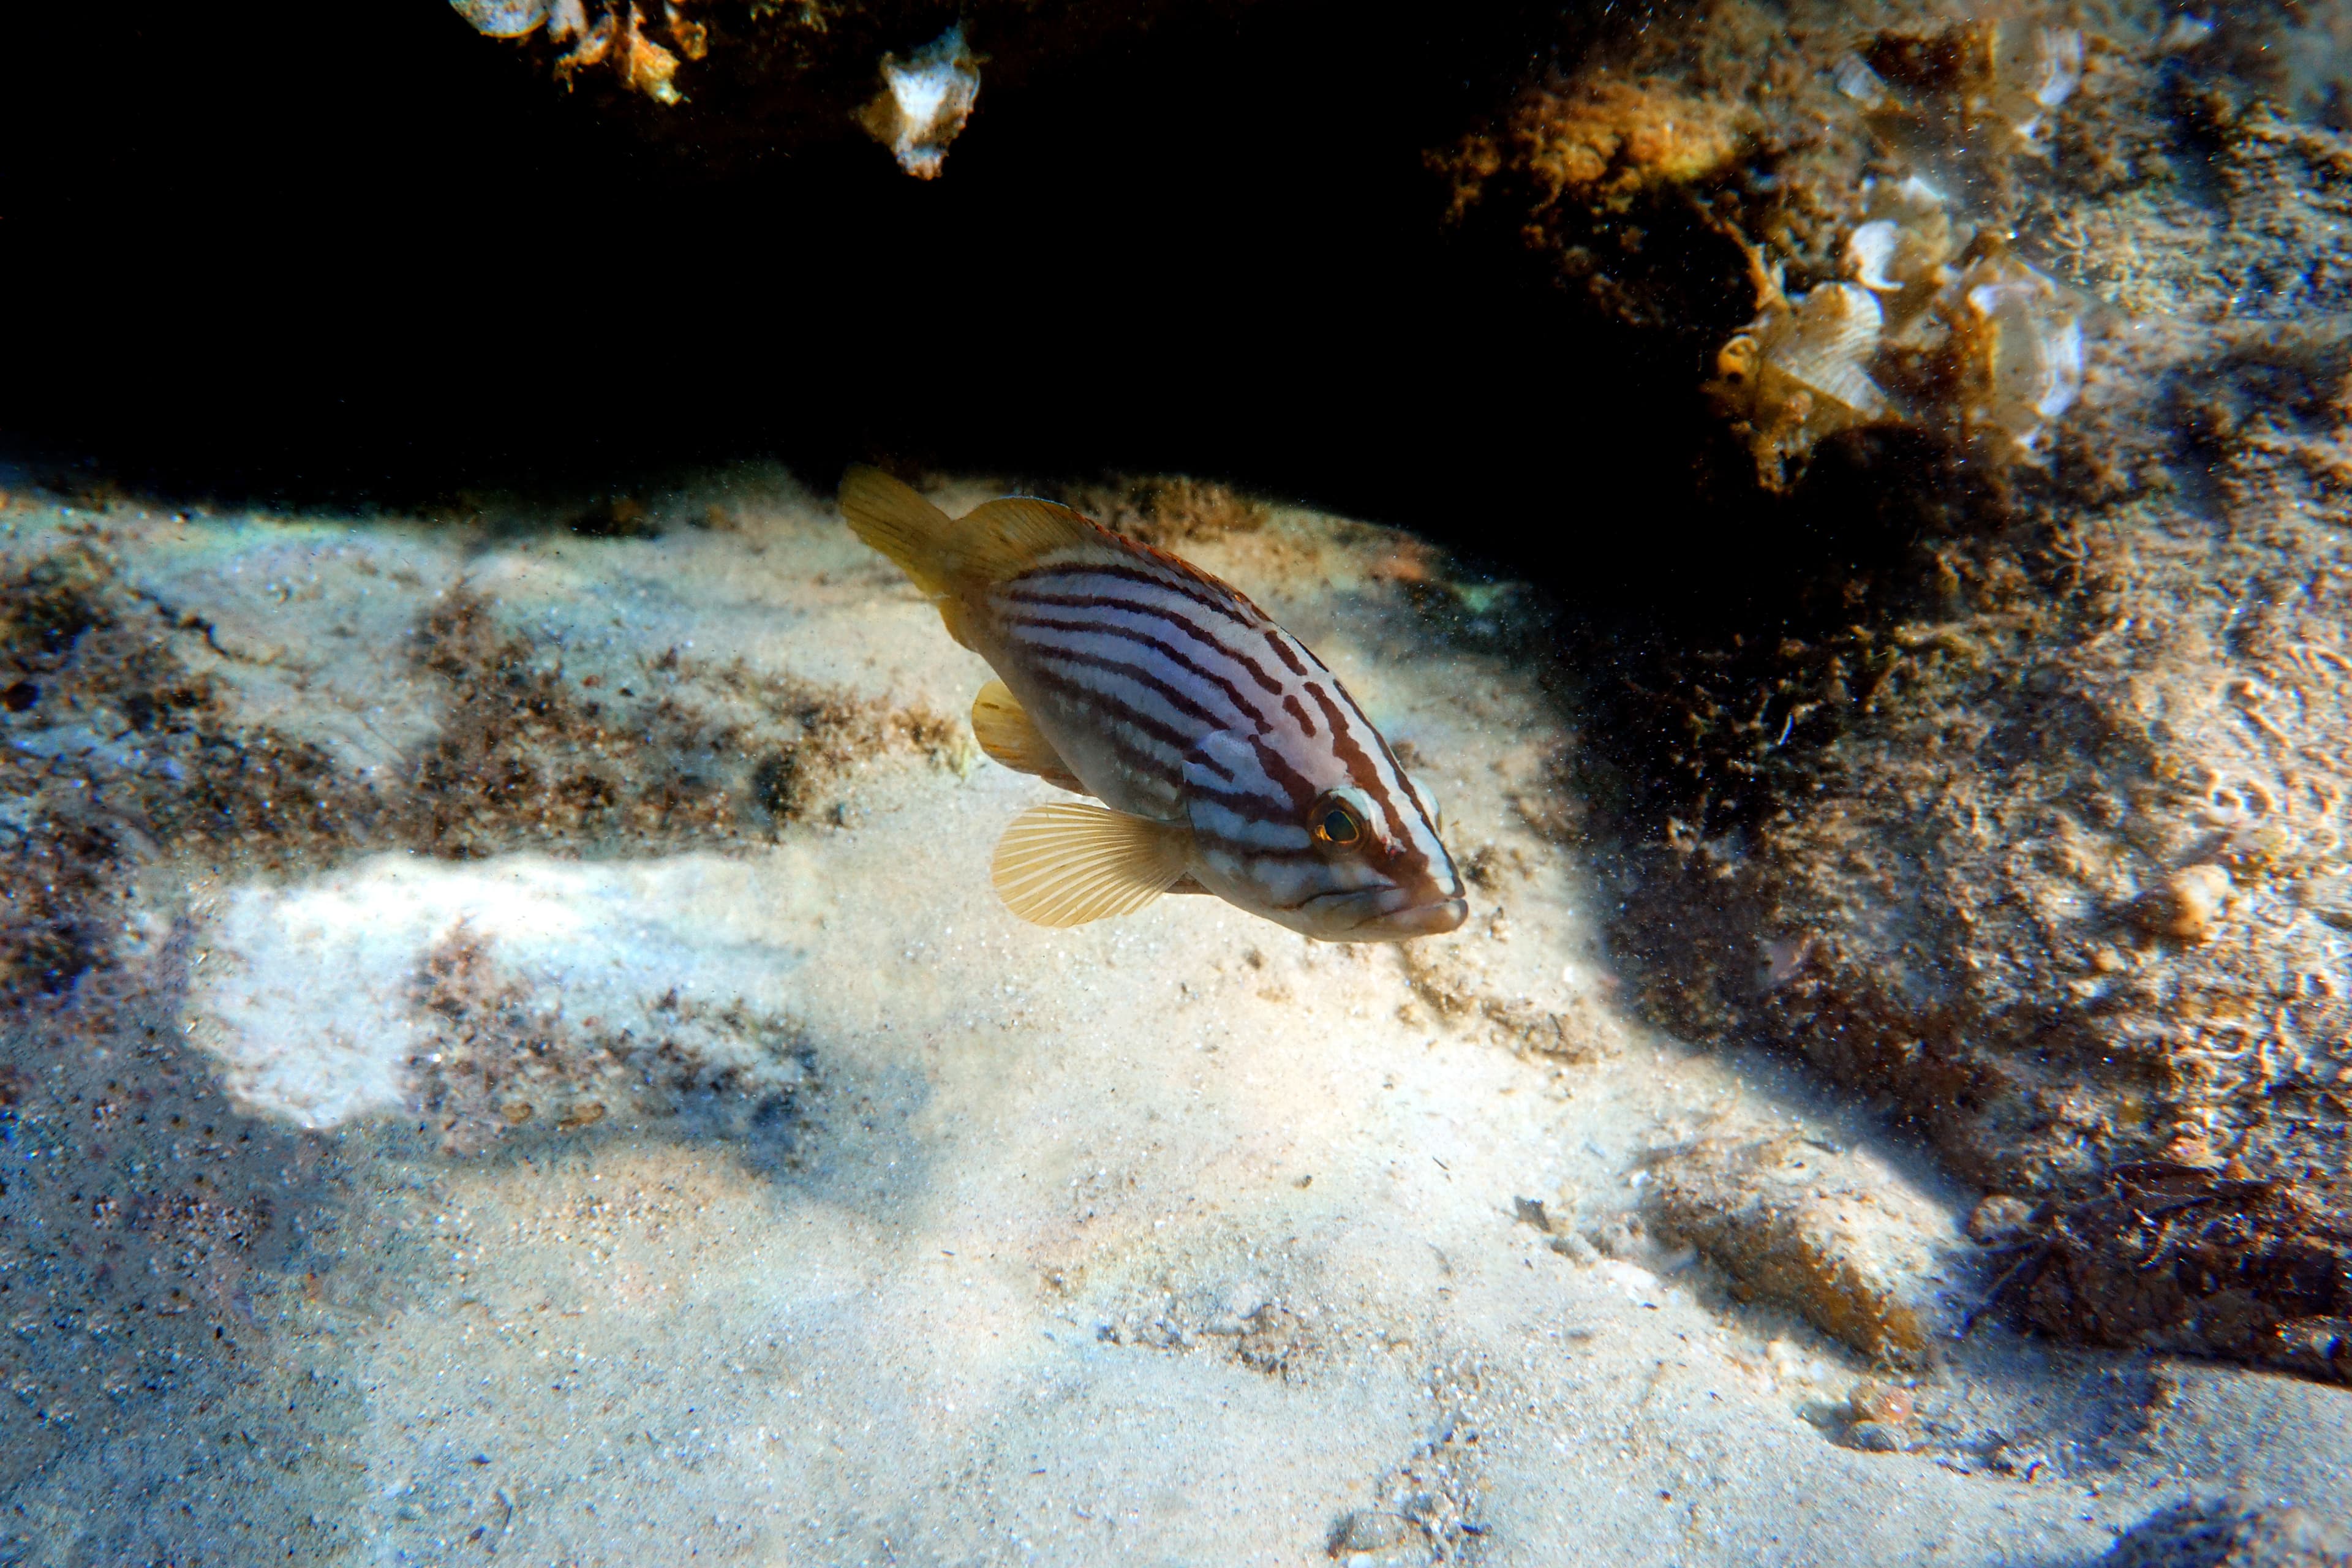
{"points": [[1054, 655], [1209, 595], [1281, 642], [1381, 742], [1361, 769], [1024, 626], [1169, 615], [1238, 853], [1278, 771], [1113, 716], [1244, 801]]}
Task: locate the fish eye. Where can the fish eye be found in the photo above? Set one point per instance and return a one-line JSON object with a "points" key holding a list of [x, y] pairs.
{"points": [[1336, 824]]}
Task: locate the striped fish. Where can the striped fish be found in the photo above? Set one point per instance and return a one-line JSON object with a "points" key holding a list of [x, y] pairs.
{"points": [[1227, 759]]}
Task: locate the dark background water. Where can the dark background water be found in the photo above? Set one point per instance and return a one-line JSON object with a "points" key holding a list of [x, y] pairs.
{"points": [[329, 252]]}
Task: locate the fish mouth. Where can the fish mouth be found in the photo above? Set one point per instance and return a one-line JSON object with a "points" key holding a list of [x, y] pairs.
{"points": [[1376, 923], [1433, 919]]}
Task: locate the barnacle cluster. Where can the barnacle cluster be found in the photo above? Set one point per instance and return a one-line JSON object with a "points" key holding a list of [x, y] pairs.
{"points": [[1799, 371], [1999, 79], [2021, 73], [1937, 321]]}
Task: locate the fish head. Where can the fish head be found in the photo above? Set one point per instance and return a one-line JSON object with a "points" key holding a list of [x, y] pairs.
{"points": [[1349, 863]]}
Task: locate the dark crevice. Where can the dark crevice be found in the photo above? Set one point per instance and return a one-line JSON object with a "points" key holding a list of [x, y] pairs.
{"points": [[372, 259]]}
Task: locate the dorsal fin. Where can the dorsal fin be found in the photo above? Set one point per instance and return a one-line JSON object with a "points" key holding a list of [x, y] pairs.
{"points": [[948, 557], [1007, 734], [1004, 537], [1071, 861]]}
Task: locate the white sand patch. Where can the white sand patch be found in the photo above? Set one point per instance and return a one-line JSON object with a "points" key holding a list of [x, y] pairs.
{"points": [[308, 992], [1171, 1239]]}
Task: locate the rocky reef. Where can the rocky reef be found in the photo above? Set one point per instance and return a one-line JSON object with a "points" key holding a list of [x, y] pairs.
{"points": [[2036, 828]]}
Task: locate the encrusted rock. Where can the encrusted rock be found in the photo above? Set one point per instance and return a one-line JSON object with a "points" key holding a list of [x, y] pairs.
{"points": [[1888, 1403], [2232, 1534], [1998, 1218], [924, 103], [1847, 1244], [2184, 1257], [2186, 906], [2031, 812]]}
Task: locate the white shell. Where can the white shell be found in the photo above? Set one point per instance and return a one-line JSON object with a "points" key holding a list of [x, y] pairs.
{"points": [[2034, 335], [2061, 66], [925, 102], [2062, 365], [1860, 83], [1824, 347], [502, 19], [1919, 193], [1870, 251], [2186, 33], [1901, 248], [2035, 70]]}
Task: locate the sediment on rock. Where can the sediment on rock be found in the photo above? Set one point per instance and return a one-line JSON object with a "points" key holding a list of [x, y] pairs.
{"points": [[679, 752], [1429, 1504], [2031, 820], [1800, 1225], [2232, 1532], [2174, 1257], [501, 1060], [145, 757], [126, 746]]}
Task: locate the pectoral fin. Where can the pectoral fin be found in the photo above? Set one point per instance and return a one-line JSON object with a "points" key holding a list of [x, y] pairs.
{"points": [[1007, 734], [1068, 862]]}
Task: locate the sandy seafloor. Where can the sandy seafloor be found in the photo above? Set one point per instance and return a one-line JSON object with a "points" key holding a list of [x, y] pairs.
{"points": [[1176, 1239]]}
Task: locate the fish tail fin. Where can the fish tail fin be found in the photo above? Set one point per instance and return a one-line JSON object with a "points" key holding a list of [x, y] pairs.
{"points": [[895, 519]]}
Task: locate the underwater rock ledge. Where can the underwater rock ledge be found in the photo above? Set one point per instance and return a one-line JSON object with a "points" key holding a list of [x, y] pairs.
{"points": [[724, 80]]}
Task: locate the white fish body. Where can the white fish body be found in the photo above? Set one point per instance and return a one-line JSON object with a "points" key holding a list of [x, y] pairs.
{"points": [[1227, 758]]}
